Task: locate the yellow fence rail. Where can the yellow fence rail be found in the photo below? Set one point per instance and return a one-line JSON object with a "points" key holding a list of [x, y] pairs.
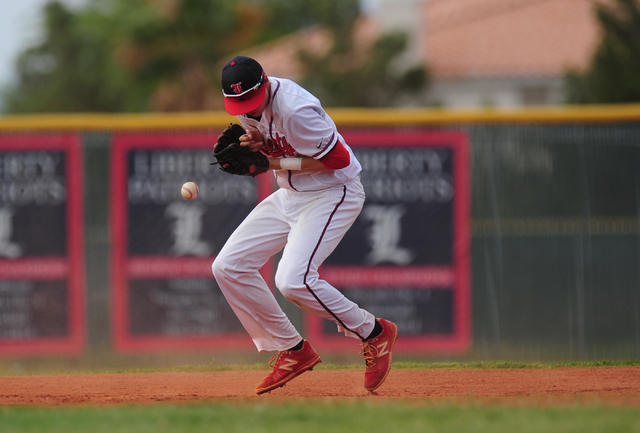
{"points": [[342, 116]]}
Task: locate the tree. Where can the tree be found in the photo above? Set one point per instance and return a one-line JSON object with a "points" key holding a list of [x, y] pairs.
{"points": [[345, 78], [353, 75], [177, 53], [131, 55], [166, 55], [283, 17], [71, 70], [614, 72]]}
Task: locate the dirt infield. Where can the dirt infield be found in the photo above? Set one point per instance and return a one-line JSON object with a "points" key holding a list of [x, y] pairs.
{"points": [[610, 385]]}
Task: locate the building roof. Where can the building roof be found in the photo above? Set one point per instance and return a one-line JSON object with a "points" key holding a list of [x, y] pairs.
{"points": [[471, 39], [503, 38]]}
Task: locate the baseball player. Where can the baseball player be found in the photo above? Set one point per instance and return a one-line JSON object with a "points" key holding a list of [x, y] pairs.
{"points": [[319, 198]]}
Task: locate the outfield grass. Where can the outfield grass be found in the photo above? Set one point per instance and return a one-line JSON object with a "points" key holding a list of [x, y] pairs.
{"points": [[318, 416], [396, 365]]}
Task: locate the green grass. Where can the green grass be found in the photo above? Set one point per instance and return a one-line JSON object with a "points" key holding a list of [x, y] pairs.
{"points": [[397, 365], [511, 365], [335, 416], [213, 367]]}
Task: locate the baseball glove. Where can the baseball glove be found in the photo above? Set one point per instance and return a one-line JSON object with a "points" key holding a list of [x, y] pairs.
{"points": [[236, 159]]}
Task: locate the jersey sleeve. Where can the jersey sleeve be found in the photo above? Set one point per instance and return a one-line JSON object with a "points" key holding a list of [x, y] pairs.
{"points": [[337, 158], [310, 133]]}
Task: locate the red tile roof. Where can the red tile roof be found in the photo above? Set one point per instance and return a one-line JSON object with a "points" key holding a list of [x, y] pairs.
{"points": [[501, 38], [472, 38]]}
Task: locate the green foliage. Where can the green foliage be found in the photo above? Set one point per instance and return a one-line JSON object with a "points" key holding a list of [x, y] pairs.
{"points": [[72, 70], [165, 55], [614, 73], [354, 76], [285, 16], [345, 77], [130, 55], [174, 48]]}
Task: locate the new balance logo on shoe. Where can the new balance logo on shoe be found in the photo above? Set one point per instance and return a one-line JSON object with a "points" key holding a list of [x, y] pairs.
{"points": [[382, 349], [288, 365]]}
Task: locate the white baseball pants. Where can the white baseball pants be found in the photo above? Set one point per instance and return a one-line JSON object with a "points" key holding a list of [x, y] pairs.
{"points": [[308, 225]]}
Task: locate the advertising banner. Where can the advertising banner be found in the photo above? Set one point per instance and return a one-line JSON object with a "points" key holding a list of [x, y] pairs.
{"points": [[164, 294], [41, 245], [406, 258]]}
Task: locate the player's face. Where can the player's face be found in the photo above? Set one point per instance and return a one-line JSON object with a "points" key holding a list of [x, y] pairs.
{"points": [[258, 111]]}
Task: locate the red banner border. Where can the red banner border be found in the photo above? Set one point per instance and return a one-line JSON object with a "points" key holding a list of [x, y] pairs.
{"points": [[71, 267], [457, 276], [125, 267]]}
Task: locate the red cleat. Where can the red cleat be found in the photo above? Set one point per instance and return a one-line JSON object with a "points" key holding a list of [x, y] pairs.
{"points": [[377, 355], [287, 365]]}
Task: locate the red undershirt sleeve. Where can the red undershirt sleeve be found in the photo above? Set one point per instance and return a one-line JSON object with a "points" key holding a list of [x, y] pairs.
{"points": [[337, 158]]}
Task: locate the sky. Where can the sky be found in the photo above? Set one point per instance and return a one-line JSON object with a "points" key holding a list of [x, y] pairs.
{"points": [[20, 29]]}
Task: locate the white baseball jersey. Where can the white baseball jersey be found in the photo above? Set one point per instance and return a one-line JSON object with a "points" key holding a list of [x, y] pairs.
{"points": [[307, 216], [295, 124]]}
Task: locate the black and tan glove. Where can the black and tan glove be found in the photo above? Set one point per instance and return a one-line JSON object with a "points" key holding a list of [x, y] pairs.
{"points": [[236, 159]]}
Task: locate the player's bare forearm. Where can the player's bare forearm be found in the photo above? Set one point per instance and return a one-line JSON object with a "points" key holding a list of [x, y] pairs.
{"points": [[307, 164]]}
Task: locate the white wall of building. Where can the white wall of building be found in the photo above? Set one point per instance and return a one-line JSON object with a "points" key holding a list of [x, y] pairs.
{"points": [[467, 92], [495, 92]]}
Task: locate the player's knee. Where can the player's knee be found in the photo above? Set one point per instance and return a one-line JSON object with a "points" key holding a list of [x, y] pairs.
{"points": [[221, 267], [287, 285], [290, 284], [291, 293]]}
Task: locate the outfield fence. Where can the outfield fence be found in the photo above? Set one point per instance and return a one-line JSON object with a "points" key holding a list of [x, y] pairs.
{"points": [[518, 237]]}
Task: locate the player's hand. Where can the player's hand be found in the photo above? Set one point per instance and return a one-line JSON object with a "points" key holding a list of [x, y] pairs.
{"points": [[253, 140]]}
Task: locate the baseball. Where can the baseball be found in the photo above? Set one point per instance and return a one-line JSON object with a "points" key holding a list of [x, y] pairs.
{"points": [[190, 190]]}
